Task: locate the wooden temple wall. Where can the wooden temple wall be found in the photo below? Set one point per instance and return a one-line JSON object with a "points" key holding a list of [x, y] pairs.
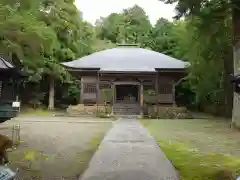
{"points": [[93, 92]]}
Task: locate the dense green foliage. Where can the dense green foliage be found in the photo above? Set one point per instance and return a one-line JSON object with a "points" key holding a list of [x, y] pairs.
{"points": [[42, 34], [214, 22]]}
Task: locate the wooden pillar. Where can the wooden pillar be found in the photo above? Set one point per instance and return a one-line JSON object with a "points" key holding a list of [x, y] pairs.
{"points": [[173, 93], [157, 93], [81, 91], [141, 98], [51, 96], [113, 95], [114, 92], [97, 90]]}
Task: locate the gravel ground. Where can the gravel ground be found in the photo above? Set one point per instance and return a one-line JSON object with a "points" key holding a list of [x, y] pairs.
{"points": [[54, 147]]}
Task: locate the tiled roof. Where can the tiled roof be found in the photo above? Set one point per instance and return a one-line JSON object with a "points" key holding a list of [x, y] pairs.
{"points": [[127, 59]]}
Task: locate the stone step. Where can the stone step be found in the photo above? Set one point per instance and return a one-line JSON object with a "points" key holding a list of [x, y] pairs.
{"points": [[126, 109]]}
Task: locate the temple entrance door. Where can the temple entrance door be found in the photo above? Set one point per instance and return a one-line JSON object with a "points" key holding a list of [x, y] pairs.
{"points": [[127, 93], [127, 99]]}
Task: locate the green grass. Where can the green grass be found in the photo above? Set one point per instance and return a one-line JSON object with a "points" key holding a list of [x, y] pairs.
{"points": [[36, 112], [85, 156], [199, 149]]}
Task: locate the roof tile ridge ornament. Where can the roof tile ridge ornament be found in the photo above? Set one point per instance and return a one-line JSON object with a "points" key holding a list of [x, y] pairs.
{"points": [[128, 45]]}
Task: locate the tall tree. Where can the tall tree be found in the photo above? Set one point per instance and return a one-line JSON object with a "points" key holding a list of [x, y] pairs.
{"points": [[42, 34], [165, 37], [213, 16], [136, 24], [111, 27], [130, 26], [236, 50], [74, 36], [26, 38]]}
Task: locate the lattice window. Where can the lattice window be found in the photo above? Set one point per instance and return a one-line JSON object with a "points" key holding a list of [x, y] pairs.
{"points": [[104, 85], [165, 88], [89, 87]]}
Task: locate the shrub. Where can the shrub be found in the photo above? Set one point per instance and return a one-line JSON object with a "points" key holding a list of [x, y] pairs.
{"points": [[82, 109], [167, 112]]}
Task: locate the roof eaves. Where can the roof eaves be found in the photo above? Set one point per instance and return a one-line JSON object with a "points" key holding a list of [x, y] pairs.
{"points": [[82, 69], [71, 68], [6, 64], [132, 72], [171, 69]]}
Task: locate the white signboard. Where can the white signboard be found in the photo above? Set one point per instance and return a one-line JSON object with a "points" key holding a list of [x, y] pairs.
{"points": [[16, 104]]}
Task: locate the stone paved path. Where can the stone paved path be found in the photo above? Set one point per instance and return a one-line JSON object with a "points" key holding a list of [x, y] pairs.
{"points": [[128, 152]]}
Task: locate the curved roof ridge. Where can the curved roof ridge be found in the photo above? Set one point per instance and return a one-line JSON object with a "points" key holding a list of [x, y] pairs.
{"points": [[127, 59]]}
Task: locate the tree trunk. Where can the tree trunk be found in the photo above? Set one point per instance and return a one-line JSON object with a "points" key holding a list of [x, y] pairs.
{"points": [[51, 94], [229, 69], [236, 51]]}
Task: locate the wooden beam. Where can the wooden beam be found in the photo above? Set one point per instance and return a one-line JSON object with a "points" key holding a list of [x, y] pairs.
{"points": [[81, 92], [97, 90], [173, 92], [113, 95], [141, 98], [157, 90]]}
